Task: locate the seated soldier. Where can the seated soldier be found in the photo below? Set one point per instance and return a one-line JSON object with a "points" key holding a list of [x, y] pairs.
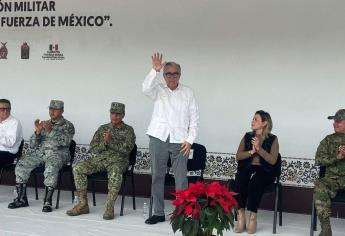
{"points": [[330, 154], [110, 148], [11, 134], [49, 146]]}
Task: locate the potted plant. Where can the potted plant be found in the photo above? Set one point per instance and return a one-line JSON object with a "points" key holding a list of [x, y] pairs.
{"points": [[201, 208]]}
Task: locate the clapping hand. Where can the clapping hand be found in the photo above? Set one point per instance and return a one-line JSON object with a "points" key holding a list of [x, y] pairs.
{"points": [[341, 152], [157, 63], [107, 137], [47, 125], [256, 142]]}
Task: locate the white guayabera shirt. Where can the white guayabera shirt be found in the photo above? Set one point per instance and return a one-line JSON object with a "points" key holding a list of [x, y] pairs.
{"points": [[175, 113], [11, 135]]}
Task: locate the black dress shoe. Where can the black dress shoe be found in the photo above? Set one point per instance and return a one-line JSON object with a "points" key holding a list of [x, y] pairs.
{"points": [[155, 219], [47, 208]]}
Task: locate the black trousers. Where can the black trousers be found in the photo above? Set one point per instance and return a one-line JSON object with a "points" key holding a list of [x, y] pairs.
{"points": [[6, 158], [250, 184]]}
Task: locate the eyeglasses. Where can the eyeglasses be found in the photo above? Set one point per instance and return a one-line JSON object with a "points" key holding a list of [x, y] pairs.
{"points": [[4, 109], [172, 74]]}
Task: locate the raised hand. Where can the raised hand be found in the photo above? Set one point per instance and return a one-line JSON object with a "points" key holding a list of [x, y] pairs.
{"points": [[157, 62], [107, 137], [38, 126], [185, 149]]}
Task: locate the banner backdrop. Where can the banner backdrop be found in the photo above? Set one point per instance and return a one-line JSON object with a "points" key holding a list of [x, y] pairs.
{"points": [[285, 57]]}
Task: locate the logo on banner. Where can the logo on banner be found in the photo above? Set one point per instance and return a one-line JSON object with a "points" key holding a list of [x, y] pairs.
{"points": [[53, 47], [53, 53], [3, 51], [25, 51]]}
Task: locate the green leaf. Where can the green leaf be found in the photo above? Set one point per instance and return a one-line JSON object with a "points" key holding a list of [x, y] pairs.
{"points": [[176, 223], [195, 228], [231, 218], [203, 216], [220, 210], [210, 212], [181, 220], [187, 227]]}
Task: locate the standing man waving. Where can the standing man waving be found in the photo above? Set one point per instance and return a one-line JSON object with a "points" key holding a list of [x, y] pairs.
{"points": [[172, 130]]}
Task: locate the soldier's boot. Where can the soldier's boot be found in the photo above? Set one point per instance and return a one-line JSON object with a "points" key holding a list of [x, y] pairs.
{"points": [[47, 202], [82, 207], [21, 200], [252, 223], [325, 228], [241, 221], [109, 206]]}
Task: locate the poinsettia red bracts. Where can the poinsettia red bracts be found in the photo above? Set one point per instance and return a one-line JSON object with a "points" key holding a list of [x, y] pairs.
{"points": [[200, 195], [203, 207]]}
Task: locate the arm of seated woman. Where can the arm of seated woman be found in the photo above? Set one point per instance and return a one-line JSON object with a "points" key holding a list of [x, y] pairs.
{"points": [[270, 157], [241, 153]]}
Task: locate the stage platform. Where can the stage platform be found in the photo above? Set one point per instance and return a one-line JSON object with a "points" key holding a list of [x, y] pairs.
{"points": [[30, 221]]}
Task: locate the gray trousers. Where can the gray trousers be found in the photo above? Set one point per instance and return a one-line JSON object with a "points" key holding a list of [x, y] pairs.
{"points": [[53, 161], [160, 152]]}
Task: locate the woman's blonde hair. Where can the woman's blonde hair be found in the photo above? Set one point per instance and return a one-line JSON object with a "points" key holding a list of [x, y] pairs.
{"points": [[265, 116]]}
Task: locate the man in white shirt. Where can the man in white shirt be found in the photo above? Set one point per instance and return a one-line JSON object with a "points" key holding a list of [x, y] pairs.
{"points": [[11, 134], [172, 130]]}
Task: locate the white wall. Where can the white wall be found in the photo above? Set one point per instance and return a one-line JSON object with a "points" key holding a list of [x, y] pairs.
{"points": [[286, 57]]}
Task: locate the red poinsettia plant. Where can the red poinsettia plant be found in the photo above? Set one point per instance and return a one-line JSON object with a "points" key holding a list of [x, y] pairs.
{"points": [[203, 207]]}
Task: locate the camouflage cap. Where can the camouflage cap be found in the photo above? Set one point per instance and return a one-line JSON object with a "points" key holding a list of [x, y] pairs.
{"points": [[56, 104], [118, 108], [339, 115]]}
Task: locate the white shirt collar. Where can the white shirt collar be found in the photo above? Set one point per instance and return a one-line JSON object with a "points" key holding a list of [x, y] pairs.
{"points": [[8, 118], [178, 87]]}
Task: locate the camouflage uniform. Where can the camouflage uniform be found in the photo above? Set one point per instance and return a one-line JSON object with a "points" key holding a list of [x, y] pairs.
{"points": [[326, 187], [112, 158], [50, 149]]}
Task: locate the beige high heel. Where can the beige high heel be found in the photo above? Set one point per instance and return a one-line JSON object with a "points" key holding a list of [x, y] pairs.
{"points": [[241, 221], [252, 223]]}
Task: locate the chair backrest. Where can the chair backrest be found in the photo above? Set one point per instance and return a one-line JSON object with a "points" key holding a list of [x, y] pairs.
{"points": [[322, 171], [133, 156], [198, 162], [20, 150], [277, 168], [72, 150]]}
